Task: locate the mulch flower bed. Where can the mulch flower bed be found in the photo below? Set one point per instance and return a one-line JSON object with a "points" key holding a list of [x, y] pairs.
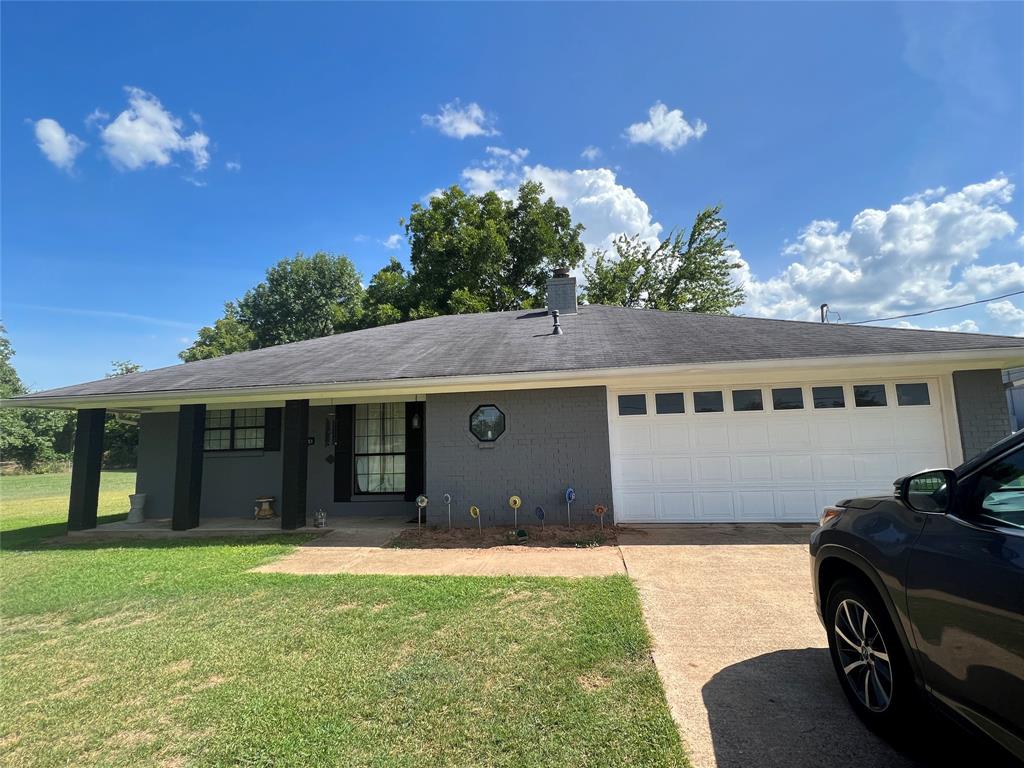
{"points": [[581, 536]]}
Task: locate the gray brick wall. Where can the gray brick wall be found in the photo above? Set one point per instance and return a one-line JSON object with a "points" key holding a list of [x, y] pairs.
{"points": [[158, 439], [553, 438], [981, 408], [561, 295]]}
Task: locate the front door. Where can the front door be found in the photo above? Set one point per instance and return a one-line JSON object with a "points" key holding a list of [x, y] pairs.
{"points": [[966, 598]]}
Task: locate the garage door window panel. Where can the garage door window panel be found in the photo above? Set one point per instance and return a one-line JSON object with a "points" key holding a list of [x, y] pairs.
{"points": [[669, 402], [829, 397], [708, 402], [869, 396], [632, 405], [912, 394], [788, 399], [747, 400]]}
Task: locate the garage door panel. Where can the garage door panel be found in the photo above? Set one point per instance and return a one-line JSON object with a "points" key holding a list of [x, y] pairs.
{"points": [[832, 432], [636, 506], [713, 469], [710, 436], [796, 505], [754, 506], [915, 461], [672, 436], [716, 505], [834, 467], [677, 507], [748, 435], [634, 438], [874, 430], [753, 468], [790, 434], [636, 471], [874, 467], [793, 468], [677, 469]]}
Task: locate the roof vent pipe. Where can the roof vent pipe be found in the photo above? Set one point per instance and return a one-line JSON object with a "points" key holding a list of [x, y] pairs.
{"points": [[557, 329]]}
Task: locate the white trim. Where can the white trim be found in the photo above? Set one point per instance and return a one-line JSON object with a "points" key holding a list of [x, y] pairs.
{"points": [[766, 371]]}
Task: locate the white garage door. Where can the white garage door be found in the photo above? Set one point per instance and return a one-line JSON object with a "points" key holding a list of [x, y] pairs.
{"points": [[761, 454]]}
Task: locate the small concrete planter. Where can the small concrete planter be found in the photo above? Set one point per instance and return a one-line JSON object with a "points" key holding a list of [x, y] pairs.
{"points": [[138, 504]]}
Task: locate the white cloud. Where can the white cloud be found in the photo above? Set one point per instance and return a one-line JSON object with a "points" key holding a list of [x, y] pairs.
{"points": [[593, 196], [591, 153], [392, 241], [665, 128], [361, 238], [147, 134], [194, 181], [232, 165], [912, 256], [461, 122], [1008, 317], [60, 147], [95, 117], [964, 326], [196, 118]]}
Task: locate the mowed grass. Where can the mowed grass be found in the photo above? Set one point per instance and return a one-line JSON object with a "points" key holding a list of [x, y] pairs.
{"points": [[172, 653]]}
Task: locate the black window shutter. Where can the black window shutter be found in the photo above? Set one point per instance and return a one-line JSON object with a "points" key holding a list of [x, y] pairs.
{"points": [[343, 438], [272, 429], [415, 470]]}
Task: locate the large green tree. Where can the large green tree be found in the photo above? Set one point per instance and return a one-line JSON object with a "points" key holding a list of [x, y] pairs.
{"points": [[301, 298], [689, 271], [473, 253]]}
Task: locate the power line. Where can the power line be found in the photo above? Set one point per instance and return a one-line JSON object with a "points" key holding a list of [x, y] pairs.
{"points": [[939, 309]]}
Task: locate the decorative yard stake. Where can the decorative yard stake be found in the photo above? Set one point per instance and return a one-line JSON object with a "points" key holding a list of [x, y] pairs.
{"points": [[421, 505], [599, 511], [474, 512], [570, 497], [539, 512], [447, 499], [515, 502]]}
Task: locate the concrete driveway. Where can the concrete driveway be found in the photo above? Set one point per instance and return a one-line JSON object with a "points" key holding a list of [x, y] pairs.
{"points": [[740, 649]]}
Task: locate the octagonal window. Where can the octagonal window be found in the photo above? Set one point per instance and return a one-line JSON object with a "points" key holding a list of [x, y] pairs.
{"points": [[487, 423]]}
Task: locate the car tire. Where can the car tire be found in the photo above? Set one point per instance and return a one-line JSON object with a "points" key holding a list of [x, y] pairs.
{"points": [[868, 657]]}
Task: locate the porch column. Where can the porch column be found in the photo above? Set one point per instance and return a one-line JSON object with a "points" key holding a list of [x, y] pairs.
{"points": [[294, 463], [188, 467], [85, 469]]}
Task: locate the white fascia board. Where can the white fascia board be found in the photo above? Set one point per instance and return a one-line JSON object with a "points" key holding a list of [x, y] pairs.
{"points": [[764, 371]]}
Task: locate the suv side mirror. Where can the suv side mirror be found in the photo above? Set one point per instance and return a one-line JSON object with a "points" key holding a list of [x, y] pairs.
{"points": [[928, 491]]}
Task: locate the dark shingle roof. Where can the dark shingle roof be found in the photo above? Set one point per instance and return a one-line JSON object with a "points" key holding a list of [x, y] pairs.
{"points": [[516, 342]]}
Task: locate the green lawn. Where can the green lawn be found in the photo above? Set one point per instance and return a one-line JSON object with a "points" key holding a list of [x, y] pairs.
{"points": [[173, 654]]}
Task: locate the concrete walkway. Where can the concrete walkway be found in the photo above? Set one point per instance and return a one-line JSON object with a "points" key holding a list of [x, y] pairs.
{"points": [[740, 650], [361, 548]]}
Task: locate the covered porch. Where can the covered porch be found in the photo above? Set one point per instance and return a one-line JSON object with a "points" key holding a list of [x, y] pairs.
{"points": [[207, 468]]}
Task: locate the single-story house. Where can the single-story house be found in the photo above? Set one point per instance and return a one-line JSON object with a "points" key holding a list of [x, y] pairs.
{"points": [[658, 416]]}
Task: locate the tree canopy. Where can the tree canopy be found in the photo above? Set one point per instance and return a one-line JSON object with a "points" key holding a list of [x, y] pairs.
{"points": [[475, 253], [686, 271]]}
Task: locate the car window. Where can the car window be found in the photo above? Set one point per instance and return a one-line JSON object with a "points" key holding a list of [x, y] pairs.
{"points": [[995, 493]]}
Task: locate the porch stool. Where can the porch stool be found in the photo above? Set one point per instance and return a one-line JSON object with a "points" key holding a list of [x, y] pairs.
{"points": [[264, 509]]}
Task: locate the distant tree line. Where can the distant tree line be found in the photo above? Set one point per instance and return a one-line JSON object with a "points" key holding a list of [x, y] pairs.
{"points": [[476, 253], [40, 440]]}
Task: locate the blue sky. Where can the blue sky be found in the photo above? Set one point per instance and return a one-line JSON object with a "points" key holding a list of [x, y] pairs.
{"points": [[157, 158]]}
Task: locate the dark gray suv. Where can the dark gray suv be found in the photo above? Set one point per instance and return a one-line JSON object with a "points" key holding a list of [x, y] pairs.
{"points": [[923, 591]]}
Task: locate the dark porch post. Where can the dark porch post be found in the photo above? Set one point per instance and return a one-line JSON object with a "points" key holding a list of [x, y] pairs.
{"points": [[188, 467], [85, 469], [294, 462]]}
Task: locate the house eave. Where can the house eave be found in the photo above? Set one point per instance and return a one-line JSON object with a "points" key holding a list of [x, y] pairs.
{"points": [[772, 369]]}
